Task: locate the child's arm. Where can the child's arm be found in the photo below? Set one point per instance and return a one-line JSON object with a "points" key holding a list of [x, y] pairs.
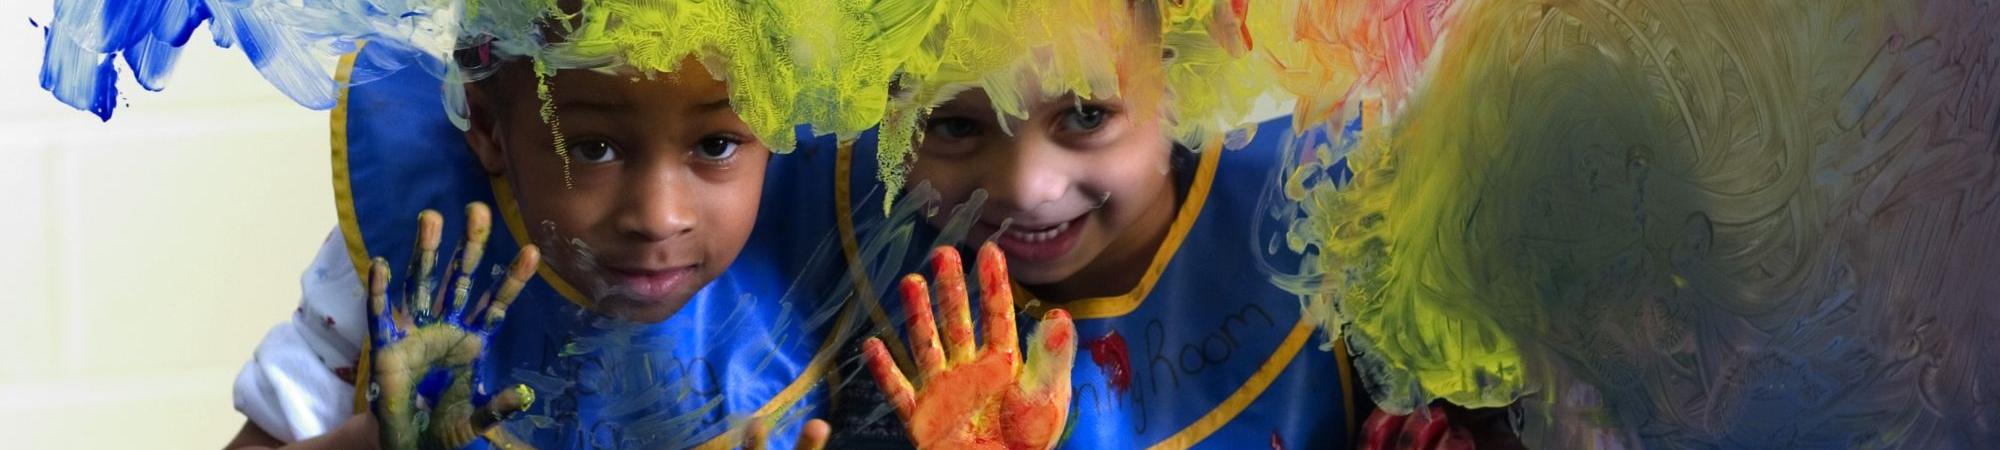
{"points": [[357, 433], [299, 382]]}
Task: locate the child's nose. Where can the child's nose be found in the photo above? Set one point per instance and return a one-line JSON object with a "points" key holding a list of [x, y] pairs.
{"points": [[1038, 176], [658, 208]]}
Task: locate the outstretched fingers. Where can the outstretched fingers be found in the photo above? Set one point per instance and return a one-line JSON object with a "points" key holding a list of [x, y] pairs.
{"points": [[894, 385], [518, 275], [957, 316], [996, 302], [923, 328], [417, 284], [502, 406], [1052, 352], [456, 298], [813, 435], [381, 317], [757, 435]]}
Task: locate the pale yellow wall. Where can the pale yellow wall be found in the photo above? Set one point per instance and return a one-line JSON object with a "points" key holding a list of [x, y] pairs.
{"points": [[143, 259]]}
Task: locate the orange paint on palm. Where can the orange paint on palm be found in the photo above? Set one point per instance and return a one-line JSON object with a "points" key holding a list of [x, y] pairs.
{"points": [[979, 398]]}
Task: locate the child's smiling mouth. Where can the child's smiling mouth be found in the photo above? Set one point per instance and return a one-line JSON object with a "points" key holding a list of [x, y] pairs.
{"points": [[1042, 242]]}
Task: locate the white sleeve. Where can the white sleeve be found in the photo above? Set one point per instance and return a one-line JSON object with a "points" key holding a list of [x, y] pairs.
{"points": [[300, 382]]}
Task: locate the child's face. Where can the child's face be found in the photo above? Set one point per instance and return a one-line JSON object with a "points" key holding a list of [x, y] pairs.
{"points": [[1076, 182], [664, 180]]}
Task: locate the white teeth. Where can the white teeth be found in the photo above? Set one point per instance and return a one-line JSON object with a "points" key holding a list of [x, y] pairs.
{"points": [[1039, 236]]}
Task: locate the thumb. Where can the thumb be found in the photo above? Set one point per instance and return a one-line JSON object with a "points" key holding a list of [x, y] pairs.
{"points": [[1051, 352], [502, 406], [756, 434], [813, 436]]}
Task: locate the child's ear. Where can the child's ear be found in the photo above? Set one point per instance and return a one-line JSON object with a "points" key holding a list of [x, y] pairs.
{"points": [[482, 132]]}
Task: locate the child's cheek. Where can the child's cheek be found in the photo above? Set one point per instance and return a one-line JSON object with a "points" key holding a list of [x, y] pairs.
{"points": [[561, 222], [954, 185], [733, 214]]}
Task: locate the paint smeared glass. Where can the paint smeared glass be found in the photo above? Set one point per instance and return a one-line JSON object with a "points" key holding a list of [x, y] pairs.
{"points": [[1677, 224]]}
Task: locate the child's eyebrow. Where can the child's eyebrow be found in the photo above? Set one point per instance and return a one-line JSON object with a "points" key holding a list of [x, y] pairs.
{"points": [[710, 106], [597, 104], [967, 106]]}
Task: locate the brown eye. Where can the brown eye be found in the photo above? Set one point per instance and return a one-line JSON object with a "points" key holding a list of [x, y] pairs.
{"points": [[951, 127], [593, 152], [716, 148]]}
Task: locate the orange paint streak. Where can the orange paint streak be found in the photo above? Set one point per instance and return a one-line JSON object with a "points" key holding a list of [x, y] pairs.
{"points": [[997, 302], [894, 386], [1241, 12], [1362, 49], [950, 273], [923, 328]]}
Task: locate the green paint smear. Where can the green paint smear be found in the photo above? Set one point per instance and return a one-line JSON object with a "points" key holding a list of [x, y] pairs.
{"points": [[1684, 223]]}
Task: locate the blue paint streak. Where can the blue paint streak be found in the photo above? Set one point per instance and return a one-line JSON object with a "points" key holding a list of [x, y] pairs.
{"points": [[79, 78], [151, 61], [178, 21], [107, 94], [87, 37], [125, 21], [248, 37]]}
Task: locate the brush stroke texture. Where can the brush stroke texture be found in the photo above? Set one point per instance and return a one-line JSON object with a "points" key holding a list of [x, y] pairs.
{"points": [[1687, 223]]}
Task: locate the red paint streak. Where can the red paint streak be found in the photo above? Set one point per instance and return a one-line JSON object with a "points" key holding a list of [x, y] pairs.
{"points": [[1241, 8], [1277, 443], [1111, 357]]}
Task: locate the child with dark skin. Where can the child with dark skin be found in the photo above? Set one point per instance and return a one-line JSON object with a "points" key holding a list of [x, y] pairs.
{"points": [[657, 199]]}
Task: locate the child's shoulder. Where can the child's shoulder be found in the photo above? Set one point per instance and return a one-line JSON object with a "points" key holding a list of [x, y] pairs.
{"points": [[1263, 144]]}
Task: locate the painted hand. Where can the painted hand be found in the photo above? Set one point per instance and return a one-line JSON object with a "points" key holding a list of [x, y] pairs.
{"points": [[422, 331], [1424, 430], [1440, 427], [984, 398], [811, 437]]}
